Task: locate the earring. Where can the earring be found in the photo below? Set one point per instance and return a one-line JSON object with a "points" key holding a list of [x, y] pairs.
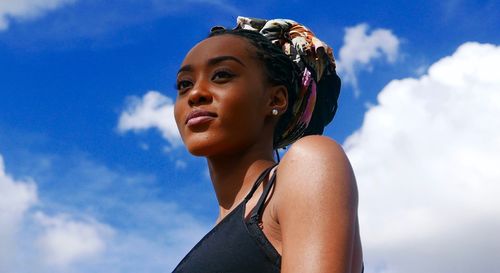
{"points": [[275, 112]]}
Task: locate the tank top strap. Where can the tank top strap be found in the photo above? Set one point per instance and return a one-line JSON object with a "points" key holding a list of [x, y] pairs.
{"points": [[257, 211], [258, 181]]}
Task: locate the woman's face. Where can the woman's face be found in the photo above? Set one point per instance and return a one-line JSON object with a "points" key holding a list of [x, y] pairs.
{"points": [[222, 103]]}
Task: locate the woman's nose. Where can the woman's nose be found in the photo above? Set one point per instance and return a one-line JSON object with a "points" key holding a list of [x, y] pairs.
{"points": [[199, 94]]}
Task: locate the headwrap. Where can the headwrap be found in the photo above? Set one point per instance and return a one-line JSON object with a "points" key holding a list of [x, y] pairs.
{"points": [[319, 85]]}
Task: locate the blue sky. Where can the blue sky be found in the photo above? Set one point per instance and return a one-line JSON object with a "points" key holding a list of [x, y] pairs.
{"points": [[97, 179]]}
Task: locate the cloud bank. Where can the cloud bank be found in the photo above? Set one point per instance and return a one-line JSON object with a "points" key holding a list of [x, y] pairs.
{"points": [[62, 240], [153, 110], [65, 241], [17, 198], [426, 160], [27, 9], [59, 231], [361, 48]]}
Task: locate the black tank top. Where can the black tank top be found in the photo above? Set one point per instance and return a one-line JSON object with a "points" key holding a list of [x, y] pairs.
{"points": [[235, 245]]}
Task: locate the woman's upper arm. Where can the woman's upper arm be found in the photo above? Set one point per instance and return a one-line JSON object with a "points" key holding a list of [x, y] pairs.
{"points": [[316, 207]]}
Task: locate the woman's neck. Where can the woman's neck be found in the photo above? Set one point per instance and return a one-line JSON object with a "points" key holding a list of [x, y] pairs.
{"points": [[233, 175]]}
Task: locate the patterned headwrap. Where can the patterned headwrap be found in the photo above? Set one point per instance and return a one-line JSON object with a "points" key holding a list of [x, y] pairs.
{"points": [[319, 85]]}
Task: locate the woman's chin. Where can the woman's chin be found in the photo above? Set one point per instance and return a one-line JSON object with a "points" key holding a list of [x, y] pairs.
{"points": [[209, 145], [198, 152], [210, 148], [200, 148]]}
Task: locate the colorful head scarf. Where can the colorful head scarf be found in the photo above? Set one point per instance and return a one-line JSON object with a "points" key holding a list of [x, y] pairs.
{"points": [[316, 62]]}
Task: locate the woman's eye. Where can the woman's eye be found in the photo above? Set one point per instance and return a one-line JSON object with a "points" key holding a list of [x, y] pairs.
{"points": [[181, 85], [222, 75]]}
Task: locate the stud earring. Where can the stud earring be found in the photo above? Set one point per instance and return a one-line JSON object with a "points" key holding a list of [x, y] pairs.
{"points": [[275, 112]]}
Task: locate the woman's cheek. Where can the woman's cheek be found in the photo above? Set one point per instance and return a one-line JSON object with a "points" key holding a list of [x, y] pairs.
{"points": [[178, 119], [245, 120]]}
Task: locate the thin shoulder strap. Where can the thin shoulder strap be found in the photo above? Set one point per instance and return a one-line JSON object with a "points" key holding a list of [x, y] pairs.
{"points": [[257, 212], [258, 181]]}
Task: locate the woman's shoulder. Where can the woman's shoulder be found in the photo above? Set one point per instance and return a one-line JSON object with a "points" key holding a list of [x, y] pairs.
{"points": [[316, 205], [319, 144], [315, 168], [315, 152]]}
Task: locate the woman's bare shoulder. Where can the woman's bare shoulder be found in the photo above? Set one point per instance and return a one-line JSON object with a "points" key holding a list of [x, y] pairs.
{"points": [[315, 143], [316, 153], [315, 168], [316, 206]]}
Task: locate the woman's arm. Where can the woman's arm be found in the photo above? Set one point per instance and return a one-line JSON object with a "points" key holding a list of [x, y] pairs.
{"points": [[316, 207]]}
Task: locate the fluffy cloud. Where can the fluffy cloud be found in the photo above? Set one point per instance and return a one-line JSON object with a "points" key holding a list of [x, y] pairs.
{"points": [[361, 48], [65, 241], [426, 159], [16, 198], [153, 110], [50, 225], [26, 9]]}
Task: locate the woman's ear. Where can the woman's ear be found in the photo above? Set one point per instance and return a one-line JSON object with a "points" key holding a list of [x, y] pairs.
{"points": [[278, 99]]}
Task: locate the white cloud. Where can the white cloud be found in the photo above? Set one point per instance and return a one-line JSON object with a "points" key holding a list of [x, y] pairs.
{"points": [[426, 159], [62, 241], [361, 48], [58, 231], [153, 110], [65, 241], [26, 9], [16, 197]]}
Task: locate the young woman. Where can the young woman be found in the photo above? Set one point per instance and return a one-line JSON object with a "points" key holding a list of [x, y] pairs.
{"points": [[243, 93]]}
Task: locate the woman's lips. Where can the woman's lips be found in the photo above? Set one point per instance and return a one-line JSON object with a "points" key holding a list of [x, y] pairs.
{"points": [[199, 116], [198, 120]]}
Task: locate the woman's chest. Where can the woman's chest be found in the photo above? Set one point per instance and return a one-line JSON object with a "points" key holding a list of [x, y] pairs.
{"points": [[232, 246]]}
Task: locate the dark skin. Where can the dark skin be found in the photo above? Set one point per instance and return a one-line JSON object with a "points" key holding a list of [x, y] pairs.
{"points": [[311, 214]]}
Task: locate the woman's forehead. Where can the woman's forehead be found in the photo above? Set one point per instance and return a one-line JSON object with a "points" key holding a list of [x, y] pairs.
{"points": [[221, 45]]}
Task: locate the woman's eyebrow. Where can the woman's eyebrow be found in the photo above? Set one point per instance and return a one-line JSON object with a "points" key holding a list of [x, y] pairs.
{"points": [[212, 62], [219, 59], [187, 68]]}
